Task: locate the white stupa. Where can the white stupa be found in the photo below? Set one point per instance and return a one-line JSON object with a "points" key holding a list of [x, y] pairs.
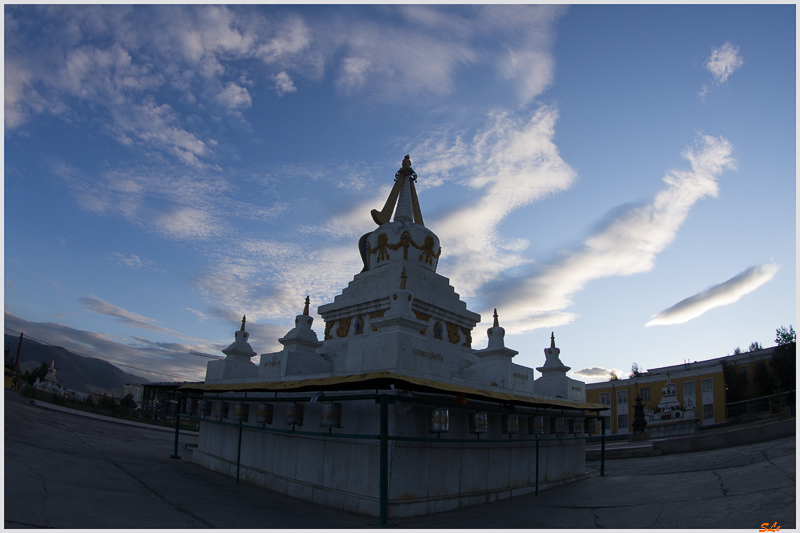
{"points": [[398, 315], [554, 381], [397, 332]]}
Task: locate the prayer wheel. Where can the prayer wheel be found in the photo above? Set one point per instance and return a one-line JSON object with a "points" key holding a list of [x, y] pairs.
{"points": [[331, 415], [439, 420], [294, 414], [241, 411], [204, 407], [590, 426], [264, 413], [509, 424], [535, 425], [222, 409], [478, 423], [561, 424]]}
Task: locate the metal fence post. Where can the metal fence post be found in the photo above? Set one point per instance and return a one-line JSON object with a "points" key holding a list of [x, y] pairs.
{"points": [[239, 452], [177, 429], [602, 446], [384, 466], [537, 465]]}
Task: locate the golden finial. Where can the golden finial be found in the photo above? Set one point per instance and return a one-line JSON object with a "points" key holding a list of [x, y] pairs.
{"points": [[244, 318], [552, 340], [403, 280], [308, 302], [496, 321]]}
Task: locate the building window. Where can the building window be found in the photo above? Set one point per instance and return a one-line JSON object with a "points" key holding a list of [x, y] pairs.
{"points": [[622, 396], [708, 411], [645, 394], [707, 385], [688, 388], [605, 398], [622, 422]]}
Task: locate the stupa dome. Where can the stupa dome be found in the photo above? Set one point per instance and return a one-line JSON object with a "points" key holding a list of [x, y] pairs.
{"points": [[405, 239]]}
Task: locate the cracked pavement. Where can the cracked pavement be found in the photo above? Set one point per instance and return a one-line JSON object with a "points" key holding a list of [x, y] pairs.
{"points": [[68, 471]]}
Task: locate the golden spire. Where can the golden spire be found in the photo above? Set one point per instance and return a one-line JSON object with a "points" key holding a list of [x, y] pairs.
{"points": [[496, 321], [403, 280], [308, 302], [244, 317], [552, 340], [405, 173]]}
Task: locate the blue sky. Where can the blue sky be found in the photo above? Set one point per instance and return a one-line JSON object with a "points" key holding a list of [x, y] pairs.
{"points": [[623, 176]]}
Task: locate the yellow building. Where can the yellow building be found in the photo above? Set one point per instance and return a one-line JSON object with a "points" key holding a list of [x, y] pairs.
{"points": [[698, 387]]}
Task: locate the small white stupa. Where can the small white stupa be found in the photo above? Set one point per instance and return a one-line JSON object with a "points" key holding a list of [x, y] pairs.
{"points": [[49, 383], [237, 363], [554, 381]]}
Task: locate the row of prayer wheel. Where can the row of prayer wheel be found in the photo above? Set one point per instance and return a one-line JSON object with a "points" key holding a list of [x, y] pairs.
{"points": [[439, 422], [331, 415]]}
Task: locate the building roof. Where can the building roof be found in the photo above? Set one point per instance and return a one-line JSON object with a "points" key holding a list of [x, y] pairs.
{"points": [[384, 380], [686, 369]]}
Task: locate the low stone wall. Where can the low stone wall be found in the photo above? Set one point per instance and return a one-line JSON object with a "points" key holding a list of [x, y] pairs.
{"points": [[723, 439], [424, 477], [672, 428]]}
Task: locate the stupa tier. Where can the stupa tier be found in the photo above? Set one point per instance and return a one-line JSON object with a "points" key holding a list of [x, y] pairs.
{"points": [[399, 315]]}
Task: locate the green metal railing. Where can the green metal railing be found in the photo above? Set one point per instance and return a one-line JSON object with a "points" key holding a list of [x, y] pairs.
{"points": [[763, 404], [383, 437]]}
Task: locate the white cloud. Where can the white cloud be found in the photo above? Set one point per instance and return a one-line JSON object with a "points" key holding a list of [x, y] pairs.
{"points": [[284, 84], [270, 279], [512, 163], [158, 126], [96, 305], [292, 37], [628, 244], [132, 260], [723, 62], [188, 223], [597, 374], [234, 97], [725, 293]]}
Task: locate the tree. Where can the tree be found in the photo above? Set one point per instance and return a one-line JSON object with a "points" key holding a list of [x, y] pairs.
{"points": [[635, 370], [106, 402], [763, 379], [128, 402], [41, 372], [613, 376], [737, 351], [785, 336], [754, 347], [784, 358], [735, 384]]}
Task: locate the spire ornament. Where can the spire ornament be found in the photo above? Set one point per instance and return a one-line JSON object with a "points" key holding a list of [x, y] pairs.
{"points": [[496, 319], [244, 318], [405, 173], [305, 309]]}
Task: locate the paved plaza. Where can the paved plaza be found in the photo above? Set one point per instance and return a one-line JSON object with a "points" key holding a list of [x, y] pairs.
{"points": [[66, 470]]}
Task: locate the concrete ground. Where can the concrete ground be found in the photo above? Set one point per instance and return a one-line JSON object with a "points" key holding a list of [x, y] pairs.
{"points": [[67, 470]]}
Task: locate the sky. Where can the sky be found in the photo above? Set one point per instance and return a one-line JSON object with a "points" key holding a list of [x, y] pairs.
{"points": [[621, 176]]}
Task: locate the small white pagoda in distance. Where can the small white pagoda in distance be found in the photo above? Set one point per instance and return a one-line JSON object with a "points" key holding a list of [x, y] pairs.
{"points": [[457, 425]]}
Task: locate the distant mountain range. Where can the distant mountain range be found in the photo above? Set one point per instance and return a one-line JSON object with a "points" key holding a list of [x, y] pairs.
{"points": [[73, 371]]}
